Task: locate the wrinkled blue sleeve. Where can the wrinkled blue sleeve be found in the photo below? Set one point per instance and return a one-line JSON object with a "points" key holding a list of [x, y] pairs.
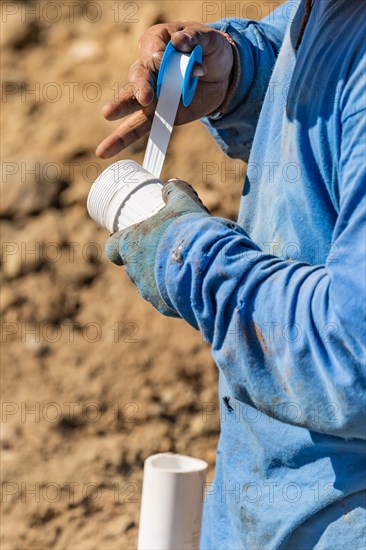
{"points": [[258, 43], [281, 331]]}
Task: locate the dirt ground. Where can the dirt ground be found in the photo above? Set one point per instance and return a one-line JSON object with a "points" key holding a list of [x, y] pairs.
{"points": [[94, 380]]}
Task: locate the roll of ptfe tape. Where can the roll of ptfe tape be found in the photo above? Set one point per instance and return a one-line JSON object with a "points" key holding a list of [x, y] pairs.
{"points": [[174, 81]]}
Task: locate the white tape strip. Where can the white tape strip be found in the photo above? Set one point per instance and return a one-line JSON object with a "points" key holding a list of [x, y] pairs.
{"points": [[166, 110]]}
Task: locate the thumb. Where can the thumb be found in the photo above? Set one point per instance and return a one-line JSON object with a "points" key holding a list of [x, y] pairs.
{"points": [[179, 194]]}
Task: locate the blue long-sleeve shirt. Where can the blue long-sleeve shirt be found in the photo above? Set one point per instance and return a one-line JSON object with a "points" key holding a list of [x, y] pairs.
{"points": [[280, 295]]}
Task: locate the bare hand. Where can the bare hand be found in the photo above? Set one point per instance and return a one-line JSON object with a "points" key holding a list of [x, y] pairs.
{"points": [[137, 101]]}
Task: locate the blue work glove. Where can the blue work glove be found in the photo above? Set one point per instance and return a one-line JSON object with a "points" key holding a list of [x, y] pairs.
{"points": [[136, 247]]}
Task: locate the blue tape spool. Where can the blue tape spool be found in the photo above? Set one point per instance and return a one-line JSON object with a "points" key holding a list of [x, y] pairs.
{"points": [[189, 83]]}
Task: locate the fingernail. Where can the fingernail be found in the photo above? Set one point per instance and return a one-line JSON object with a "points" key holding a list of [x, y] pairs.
{"points": [[106, 110], [186, 41], [189, 36], [98, 151], [199, 69]]}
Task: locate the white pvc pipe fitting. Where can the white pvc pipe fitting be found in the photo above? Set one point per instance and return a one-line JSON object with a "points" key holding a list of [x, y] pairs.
{"points": [[171, 506], [124, 194]]}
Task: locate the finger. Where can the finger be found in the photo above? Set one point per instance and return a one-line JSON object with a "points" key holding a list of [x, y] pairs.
{"points": [[176, 190], [152, 44], [126, 104], [139, 91], [132, 128], [192, 35], [199, 69], [144, 83], [174, 186]]}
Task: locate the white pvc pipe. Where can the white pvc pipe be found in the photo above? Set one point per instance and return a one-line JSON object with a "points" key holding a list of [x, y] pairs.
{"points": [[171, 506], [124, 194]]}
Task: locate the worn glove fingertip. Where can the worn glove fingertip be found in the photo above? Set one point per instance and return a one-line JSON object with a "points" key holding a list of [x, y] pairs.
{"points": [[112, 250], [180, 190], [173, 186]]}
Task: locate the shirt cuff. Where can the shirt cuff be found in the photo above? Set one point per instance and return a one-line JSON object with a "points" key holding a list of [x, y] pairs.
{"points": [[235, 80], [241, 82]]}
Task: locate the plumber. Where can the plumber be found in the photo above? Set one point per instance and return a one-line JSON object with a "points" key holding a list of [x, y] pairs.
{"points": [[286, 326]]}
